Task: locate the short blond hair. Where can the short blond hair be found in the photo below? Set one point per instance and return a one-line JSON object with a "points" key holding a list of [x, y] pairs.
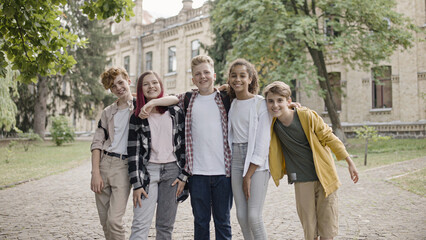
{"points": [[108, 77], [201, 59], [279, 88]]}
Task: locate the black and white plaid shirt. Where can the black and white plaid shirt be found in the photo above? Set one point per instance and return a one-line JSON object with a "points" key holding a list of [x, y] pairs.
{"points": [[139, 146]]}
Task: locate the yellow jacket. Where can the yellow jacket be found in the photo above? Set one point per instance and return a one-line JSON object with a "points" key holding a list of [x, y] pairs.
{"points": [[321, 139]]}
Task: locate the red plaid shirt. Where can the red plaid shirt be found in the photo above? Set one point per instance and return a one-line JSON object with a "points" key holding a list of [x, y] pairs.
{"points": [[188, 133]]}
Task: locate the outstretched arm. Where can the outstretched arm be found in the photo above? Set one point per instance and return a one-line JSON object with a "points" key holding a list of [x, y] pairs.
{"points": [[352, 169]]}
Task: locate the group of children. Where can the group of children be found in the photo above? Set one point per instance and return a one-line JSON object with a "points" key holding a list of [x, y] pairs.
{"points": [[217, 145]]}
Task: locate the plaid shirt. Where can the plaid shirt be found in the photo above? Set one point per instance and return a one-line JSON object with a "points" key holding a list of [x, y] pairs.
{"points": [[188, 133], [139, 146]]}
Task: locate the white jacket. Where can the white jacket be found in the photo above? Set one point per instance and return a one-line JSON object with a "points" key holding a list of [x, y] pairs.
{"points": [[259, 135]]}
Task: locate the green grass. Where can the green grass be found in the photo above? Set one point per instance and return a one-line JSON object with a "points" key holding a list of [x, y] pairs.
{"points": [[391, 151], [40, 160], [385, 152], [414, 182]]}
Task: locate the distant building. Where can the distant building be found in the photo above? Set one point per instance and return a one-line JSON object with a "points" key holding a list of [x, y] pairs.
{"points": [[166, 45], [397, 105]]}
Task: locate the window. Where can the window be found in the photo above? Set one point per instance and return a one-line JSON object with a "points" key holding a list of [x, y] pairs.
{"points": [[382, 87], [148, 61], [127, 64], [330, 26], [331, 21], [172, 59], [335, 84], [195, 48]]}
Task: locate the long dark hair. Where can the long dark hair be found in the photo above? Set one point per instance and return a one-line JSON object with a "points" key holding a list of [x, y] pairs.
{"points": [[140, 97]]}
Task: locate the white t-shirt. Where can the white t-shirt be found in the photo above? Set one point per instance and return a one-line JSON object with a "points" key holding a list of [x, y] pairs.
{"points": [[121, 132], [207, 137], [161, 127], [240, 119]]}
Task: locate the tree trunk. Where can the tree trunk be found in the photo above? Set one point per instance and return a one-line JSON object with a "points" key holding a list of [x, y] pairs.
{"points": [[40, 107], [366, 151], [318, 58]]}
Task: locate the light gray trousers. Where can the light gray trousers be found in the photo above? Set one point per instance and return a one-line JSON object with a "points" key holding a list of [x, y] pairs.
{"points": [[249, 212], [161, 196]]}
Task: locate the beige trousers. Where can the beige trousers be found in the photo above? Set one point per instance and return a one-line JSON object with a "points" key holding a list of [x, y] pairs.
{"points": [[317, 213], [112, 202]]}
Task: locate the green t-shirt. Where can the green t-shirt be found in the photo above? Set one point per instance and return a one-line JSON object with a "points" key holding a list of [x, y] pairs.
{"points": [[297, 151]]}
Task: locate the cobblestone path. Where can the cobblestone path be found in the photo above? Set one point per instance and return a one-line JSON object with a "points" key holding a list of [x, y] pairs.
{"points": [[62, 207]]}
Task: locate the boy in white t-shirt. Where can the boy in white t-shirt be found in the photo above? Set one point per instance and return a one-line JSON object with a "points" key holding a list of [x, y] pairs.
{"points": [[208, 155], [110, 178]]}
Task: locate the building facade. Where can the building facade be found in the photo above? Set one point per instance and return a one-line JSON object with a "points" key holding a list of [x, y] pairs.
{"points": [[395, 103], [165, 46]]}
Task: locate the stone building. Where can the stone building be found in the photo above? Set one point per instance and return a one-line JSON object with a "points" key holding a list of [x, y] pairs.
{"points": [[396, 106], [165, 46]]}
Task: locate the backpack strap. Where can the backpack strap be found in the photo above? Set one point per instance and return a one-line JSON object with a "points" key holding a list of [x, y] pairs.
{"points": [[226, 100], [186, 100], [105, 131]]}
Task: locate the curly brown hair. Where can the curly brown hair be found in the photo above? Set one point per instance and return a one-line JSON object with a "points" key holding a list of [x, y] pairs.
{"points": [[251, 70], [108, 77]]}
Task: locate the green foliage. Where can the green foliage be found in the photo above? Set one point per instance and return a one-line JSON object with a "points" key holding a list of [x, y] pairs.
{"points": [[85, 92], [103, 9], [78, 89], [25, 103], [277, 36], [34, 40], [28, 139], [61, 131], [367, 133], [8, 89], [10, 151], [289, 40]]}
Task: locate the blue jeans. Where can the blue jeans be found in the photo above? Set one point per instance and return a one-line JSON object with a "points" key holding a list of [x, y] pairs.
{"points": [[211, 194]]}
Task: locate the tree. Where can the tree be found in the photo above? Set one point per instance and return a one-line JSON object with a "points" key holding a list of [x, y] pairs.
{"points": [[85, 91], [8, 89], [368, 133], [290, 39], [36, 42]]}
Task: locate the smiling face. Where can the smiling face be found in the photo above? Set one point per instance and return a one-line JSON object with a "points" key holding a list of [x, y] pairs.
{"points": [[239, 79], [151, 87], [203, 77], [277, 104], [121, 87]]}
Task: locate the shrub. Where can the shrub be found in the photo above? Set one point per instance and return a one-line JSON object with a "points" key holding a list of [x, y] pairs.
{"points": [[29, 139], [61, 132], [367, 133]]}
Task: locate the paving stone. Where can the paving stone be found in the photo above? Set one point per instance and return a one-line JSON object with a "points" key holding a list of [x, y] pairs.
{"points": [[63, 207]]}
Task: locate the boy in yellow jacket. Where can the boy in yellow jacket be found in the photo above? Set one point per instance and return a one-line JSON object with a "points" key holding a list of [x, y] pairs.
{"points": [[300, 147]]}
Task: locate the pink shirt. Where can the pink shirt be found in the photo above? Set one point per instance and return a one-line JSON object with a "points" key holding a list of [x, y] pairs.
{"points": [[160, 126]]}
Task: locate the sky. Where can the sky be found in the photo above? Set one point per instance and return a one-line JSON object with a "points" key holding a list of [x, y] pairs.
{"points": [[167, 8]]}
